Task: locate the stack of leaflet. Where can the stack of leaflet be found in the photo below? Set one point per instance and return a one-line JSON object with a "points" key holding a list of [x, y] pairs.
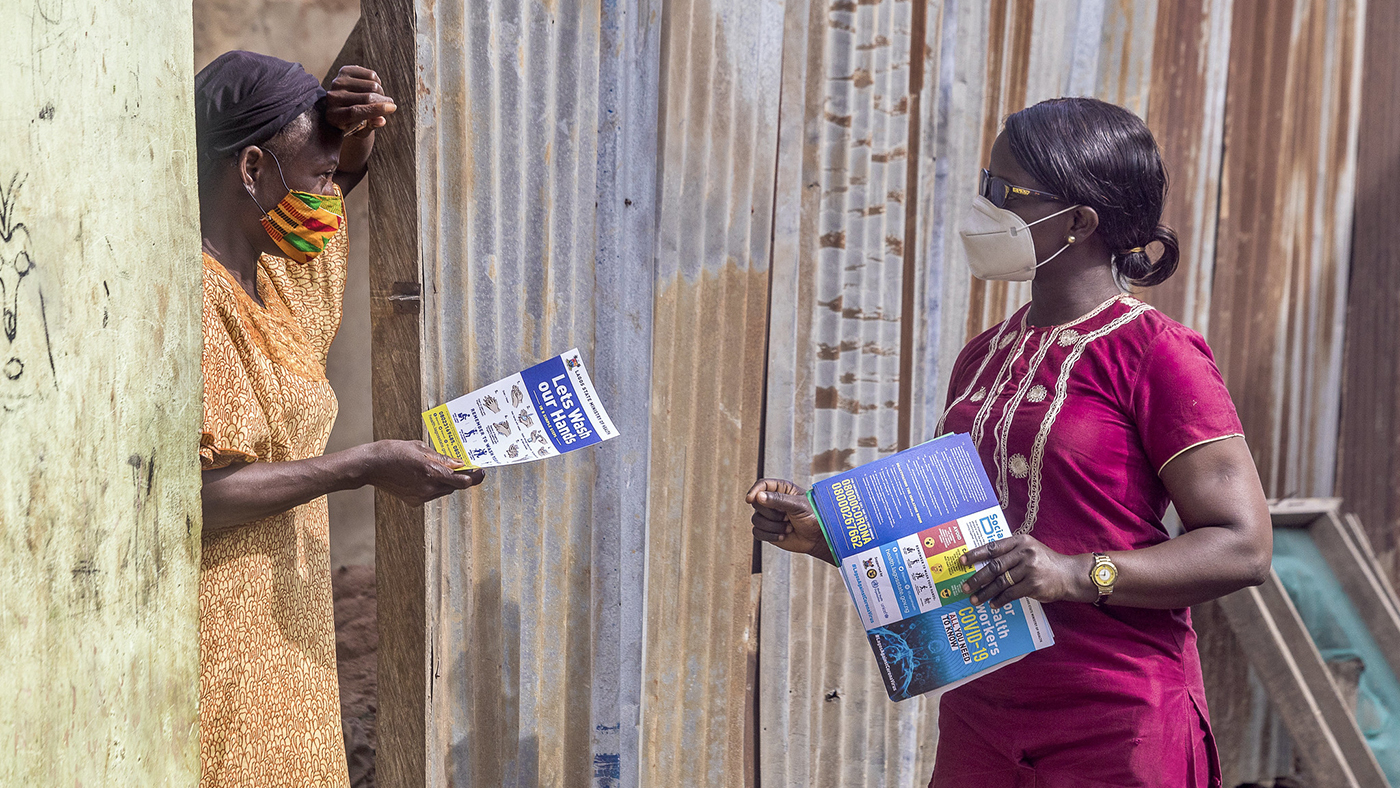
{"points": [[898, 528]]}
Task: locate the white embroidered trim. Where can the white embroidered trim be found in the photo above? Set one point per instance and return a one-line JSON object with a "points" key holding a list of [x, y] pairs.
{"points": [[1006, 340], [1061, 392], [1069, 338], [981, 417], [1199, 443], [1019, 467], [979, 423], [978, 395], [991, 351], [1001, 432], [1038, 392]]}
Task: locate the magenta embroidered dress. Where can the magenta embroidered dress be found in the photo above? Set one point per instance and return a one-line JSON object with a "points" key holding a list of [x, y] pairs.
{"points": [[1073, 423]]}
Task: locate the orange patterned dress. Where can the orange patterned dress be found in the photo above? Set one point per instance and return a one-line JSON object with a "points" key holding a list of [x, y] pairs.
{"points": [[269, 703]]}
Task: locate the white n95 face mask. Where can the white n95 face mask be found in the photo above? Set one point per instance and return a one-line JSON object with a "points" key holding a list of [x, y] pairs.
{"points": [[998, 242]]}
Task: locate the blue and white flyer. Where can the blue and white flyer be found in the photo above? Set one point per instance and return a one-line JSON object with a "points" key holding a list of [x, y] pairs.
{"points": [[899, 527], [544, 411]]}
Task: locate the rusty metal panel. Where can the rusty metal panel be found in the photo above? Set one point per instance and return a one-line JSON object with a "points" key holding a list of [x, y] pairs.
{"points": [[1125, 55], [1187, 116], [717, 152], [843, 223], [1287, 190], [837, 297], [826, 398], [537, 165], [1368, 473], [984, 54]]}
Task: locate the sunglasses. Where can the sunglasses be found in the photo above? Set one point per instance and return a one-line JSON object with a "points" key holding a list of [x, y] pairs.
{"points": [[998, 190]]}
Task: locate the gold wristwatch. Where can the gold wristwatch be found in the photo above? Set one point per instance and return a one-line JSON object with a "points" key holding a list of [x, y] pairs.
{"points": [[1103, 574]]}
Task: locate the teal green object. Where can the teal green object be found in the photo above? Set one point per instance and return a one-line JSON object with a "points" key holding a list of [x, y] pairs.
{"points": [[1339, 633]]}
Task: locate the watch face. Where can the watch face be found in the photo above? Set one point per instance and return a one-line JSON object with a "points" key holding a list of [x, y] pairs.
{"points": [[1104, 575]]}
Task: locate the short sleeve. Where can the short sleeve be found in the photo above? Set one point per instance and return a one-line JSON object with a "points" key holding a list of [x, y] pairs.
{"points": [[234, 425], [1179, 398]]}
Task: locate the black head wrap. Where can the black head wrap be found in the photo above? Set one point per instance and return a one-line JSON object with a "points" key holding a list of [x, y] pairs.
{"points": [[243, 98]]}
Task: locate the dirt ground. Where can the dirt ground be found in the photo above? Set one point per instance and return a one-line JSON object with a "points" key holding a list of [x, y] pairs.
{"points": [[356, 644]]}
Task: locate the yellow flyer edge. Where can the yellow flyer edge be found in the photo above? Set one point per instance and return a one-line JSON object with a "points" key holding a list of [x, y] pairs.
{"points": [[443, 434]]}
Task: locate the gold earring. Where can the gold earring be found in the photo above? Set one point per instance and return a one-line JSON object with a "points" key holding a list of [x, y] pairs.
{"points": [[1071, 239]]}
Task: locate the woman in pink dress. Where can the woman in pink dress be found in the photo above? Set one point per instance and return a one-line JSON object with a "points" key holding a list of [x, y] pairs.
{"points": [[1091, 412]]}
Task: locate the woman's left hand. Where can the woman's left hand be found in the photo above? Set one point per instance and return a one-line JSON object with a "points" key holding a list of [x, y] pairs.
{"points": [[356, 103], [1022, 566]]}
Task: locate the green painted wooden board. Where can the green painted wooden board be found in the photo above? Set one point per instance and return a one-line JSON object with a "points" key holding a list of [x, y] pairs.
{"points": [[99, 394]]}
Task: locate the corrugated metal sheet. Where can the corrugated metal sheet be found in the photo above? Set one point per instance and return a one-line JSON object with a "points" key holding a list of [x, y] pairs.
{"points": [[599, 176], [536, 191], [1275, 304], [603, 175], [1368, 469], [842, 228], [834, 385], [995, 58], [718, 127], [1187, 117], [626, 220], [984, 61], [1289, 175]]}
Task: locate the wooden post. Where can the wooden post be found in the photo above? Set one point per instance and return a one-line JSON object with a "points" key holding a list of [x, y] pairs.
{"points": [[100, 388], [396, 330], [353, 52]]}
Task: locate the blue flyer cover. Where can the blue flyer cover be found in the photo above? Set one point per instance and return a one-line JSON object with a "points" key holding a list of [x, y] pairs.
{"points": [[544, 411], [898, 527]]}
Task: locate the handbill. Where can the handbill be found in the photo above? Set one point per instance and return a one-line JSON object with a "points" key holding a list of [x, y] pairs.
{"points": [[546, 410], [899, 527]]}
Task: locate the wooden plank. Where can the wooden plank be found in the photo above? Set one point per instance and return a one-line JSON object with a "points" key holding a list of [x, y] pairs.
{"points": [[1300, 512], [396, 329], [100, 396], [354, 52], [1358, 534], [1362, 586], [1290, 674], [1338, 716]]}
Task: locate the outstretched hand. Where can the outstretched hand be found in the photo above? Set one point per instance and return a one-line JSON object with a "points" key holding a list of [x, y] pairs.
{"points": [[412, 471], [783, 517]]}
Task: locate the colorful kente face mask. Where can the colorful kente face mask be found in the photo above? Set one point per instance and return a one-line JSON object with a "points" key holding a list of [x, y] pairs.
{"points": [[302, 223]]}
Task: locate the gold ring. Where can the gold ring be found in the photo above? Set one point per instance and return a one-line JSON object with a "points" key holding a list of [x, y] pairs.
{"points": [[1007, 577]]}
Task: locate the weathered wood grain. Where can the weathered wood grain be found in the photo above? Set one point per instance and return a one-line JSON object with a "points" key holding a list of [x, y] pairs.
{"points": [[395, 291], [1361, 584], [1301, 688], [99, 395], [1363, 541], [353, 53]]}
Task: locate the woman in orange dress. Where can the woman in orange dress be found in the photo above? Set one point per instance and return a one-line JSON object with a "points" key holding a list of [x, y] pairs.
{"points": [[275, 159]]}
